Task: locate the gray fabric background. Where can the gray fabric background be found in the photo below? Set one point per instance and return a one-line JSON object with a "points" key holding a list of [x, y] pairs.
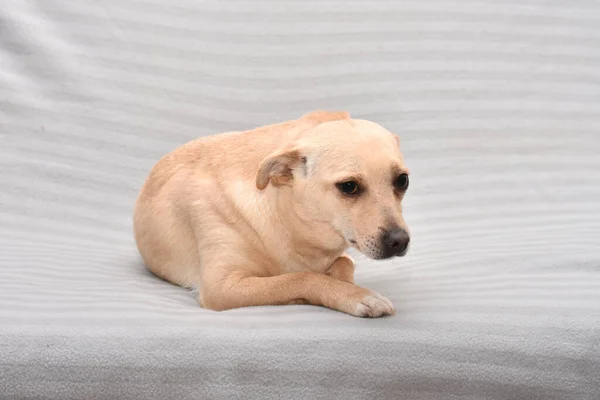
{"points": [[498, 108]]}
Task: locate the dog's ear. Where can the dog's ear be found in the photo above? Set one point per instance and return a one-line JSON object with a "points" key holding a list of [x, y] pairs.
{"points": [[278, 168]]}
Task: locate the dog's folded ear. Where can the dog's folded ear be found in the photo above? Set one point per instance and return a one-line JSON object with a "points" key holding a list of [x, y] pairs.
{"points": [[278, 167]]}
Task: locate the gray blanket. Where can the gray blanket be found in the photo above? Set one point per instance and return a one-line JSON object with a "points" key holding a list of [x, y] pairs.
{"points": [[498, 108]]}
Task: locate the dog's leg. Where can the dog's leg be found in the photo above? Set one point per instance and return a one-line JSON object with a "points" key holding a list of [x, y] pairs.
{"points": [[240, 289], [297, 302], [342, 269]]}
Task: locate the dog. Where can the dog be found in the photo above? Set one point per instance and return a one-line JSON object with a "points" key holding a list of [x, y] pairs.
{"points": [[264, 217]]}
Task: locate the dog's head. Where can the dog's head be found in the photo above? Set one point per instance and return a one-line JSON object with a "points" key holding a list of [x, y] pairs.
{"points": [[345, 180]]}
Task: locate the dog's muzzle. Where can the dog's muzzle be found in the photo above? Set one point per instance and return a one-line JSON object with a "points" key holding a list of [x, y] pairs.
{"points": [[395, 242]]}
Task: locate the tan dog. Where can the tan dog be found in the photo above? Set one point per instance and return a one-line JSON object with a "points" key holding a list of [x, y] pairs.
{"points": [[263, 217]]}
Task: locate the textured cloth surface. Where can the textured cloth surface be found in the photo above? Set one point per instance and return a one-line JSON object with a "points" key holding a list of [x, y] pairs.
{"points": [[498, 108]]}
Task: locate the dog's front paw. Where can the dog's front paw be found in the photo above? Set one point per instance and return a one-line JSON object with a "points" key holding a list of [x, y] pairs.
{"points": [[371, 305]]}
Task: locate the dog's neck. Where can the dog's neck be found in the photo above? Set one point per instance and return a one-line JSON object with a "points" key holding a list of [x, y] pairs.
{"points": [[305, 246]]}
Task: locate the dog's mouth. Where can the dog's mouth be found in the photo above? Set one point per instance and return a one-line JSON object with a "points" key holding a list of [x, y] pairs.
{"points": [[377, 253], [381, 248], [387, 256]]}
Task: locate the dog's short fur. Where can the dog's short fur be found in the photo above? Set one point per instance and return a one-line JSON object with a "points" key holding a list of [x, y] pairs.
{"points": [[261, 218]]}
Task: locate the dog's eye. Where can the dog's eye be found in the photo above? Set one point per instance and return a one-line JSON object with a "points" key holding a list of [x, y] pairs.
{"points": [[349, 188], [401, 182]]}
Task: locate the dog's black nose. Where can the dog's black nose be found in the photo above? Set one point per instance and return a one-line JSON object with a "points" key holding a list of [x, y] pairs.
{"points": [[396, 241]]}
